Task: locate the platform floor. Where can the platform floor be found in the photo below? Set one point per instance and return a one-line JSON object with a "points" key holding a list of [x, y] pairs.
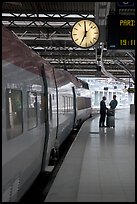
{"points": [[100, 165]]}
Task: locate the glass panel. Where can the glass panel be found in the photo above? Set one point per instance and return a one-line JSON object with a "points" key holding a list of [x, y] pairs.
{"points": [[32, 109], [83, 103], [50, 105], [42, 108], [14, 119], [64, 103]]}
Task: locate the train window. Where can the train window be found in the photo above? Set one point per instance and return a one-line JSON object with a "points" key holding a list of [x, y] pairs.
{"points": [[67, 103], [50, 107], [88, 102], [42, 108], [14, 116], [83, 103], [64, 103], [80, 104], [71, 103], [42, 111], [32, 109]]}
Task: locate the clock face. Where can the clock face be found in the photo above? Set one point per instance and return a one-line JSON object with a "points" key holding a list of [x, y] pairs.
{"points": [[85, 33]]}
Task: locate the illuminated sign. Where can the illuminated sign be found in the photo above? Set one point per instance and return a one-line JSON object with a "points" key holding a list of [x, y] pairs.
{"points": [[121, 32], [123, 5], [131, 90]]}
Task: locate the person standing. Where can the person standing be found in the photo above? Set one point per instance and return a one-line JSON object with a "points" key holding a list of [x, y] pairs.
{"points": [[111, 113], [103, 109], [113, 103]]}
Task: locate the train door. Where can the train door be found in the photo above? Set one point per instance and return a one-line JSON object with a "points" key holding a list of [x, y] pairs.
{"points": [[50, 118], [46, 118]]}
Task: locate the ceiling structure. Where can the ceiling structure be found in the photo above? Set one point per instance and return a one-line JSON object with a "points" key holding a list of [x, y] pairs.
{"points": [[46, 28]]}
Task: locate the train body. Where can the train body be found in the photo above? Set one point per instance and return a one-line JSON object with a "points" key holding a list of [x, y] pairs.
{"points": [[40, 107]]}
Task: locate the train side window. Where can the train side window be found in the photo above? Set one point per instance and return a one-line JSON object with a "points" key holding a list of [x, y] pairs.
{"points": [[80, 103], [50, 107], [14, 113], [88, 102], [32, 109], [71, 103], [42, 109], [67, 102], [64, 103], [83, 103]]}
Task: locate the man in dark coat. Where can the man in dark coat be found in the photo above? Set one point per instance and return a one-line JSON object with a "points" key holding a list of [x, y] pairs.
{"points": [[103, 109]]}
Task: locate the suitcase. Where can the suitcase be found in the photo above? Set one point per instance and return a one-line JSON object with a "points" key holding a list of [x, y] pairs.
{"points": [[110, 122], [110, 112]]}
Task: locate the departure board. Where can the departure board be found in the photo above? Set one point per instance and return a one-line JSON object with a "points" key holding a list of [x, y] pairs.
{"points": [[121, 32]]}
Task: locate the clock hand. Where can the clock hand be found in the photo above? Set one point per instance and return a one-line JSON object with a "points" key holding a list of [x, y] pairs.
{"points": [[84, 33], [85, 30], [82, 39], [85, 27]]}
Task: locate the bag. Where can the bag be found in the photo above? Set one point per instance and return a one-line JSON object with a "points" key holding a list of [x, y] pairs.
{"points": [[110, 112], [110, 122]]}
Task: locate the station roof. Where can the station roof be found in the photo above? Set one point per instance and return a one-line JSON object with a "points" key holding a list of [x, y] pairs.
{"points": [[46, 28]]}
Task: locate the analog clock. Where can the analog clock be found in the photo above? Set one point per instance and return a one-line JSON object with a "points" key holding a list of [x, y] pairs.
{"points": [[85, 33]]}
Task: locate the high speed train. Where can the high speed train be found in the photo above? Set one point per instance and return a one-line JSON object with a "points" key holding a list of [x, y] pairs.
{"points": [[40, 107]]}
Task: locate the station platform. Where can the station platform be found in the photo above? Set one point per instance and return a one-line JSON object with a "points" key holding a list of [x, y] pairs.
{"points": [[100, 164]]}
